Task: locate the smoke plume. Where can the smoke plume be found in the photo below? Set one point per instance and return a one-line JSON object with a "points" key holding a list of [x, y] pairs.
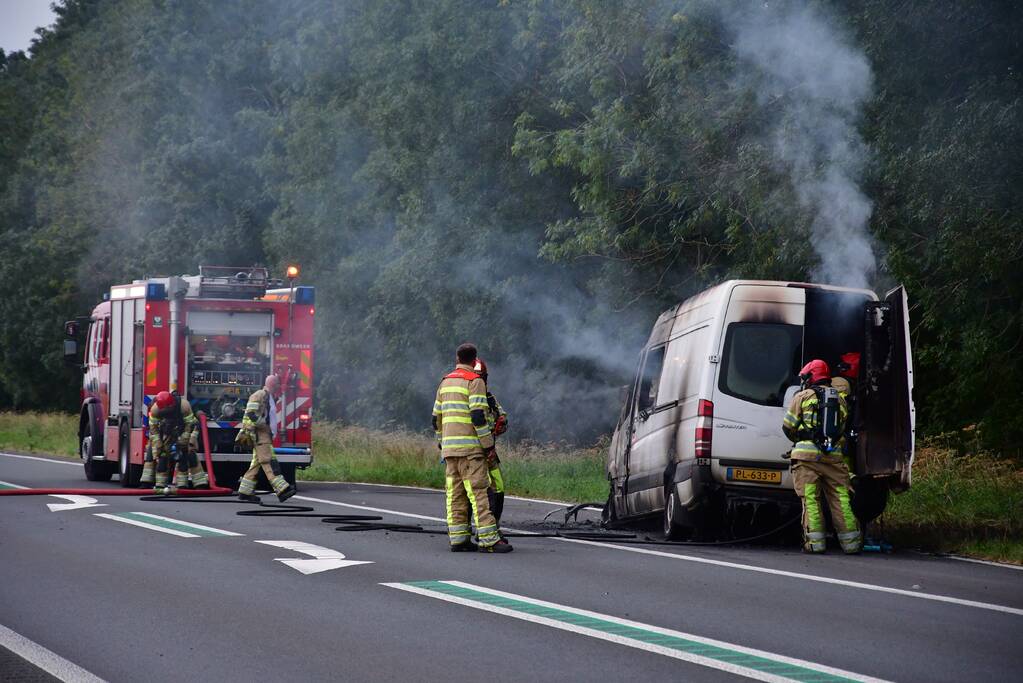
{"points": [[812, 82]]}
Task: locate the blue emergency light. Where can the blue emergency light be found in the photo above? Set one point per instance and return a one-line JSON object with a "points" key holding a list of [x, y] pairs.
{"points": [[156, 291], [305, 295]]}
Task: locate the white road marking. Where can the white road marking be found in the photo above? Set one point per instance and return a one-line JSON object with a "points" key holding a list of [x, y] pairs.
{"points": [[633, 642], [324, 559], [1003, 565], [145, 525], [203, 527], [555, 503], [11, 486], [32, 457], [805, 577], [45, 659], [720, 563], [77, 503]]}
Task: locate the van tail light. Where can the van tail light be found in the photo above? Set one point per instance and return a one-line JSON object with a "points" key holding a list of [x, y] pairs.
{"points": [[304, 420], [704, 430]]}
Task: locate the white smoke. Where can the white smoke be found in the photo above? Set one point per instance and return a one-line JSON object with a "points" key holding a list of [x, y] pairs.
{"points": [[812, 82]]}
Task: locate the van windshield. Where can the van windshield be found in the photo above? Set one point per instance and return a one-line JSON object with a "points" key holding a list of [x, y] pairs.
{"points": [[760, 361]]}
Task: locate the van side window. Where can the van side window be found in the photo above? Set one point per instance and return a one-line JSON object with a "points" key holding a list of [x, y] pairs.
{"points": [[760, 361], [650, 378]]}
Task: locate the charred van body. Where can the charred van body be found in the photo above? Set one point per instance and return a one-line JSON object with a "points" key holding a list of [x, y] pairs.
{"points": [[699, 434]]}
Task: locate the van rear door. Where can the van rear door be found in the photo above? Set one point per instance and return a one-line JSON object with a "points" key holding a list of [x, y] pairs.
{"points": [[887, 439]]}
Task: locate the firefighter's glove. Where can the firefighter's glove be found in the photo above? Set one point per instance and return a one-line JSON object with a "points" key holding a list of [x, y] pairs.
{"points": [[246, 438], [491, 456], [500, 425], [193, 443]]}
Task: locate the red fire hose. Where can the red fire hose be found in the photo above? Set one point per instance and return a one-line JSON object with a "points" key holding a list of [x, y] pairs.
{"points": [[213, 490]]}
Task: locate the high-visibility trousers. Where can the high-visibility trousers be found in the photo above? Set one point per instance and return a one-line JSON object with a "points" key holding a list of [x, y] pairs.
{"points": [[465, 483], [263, 457], [814, 480]]}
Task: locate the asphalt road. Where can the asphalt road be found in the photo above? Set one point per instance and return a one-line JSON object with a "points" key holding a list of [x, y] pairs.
{"points": [[131, 597]]}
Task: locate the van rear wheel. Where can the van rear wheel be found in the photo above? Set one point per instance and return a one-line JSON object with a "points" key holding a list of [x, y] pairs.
{"points": [[672, 527]]}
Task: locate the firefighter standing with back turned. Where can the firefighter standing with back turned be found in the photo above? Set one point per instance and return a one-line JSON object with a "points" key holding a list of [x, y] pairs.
{"points": [[173, 428], [465, 440], [259, 427], [497, 419], [815, 421]]}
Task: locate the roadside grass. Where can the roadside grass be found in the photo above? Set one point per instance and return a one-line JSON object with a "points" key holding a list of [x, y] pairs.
{"points": [[32, 432], [965, 504], [552, 472]]}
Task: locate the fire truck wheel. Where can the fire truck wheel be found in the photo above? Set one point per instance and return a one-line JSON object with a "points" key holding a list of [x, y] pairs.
{"points": [[95, 470], [130, 474]]}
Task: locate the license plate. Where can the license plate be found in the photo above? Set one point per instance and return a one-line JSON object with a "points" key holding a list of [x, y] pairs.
{"points": [[755, 476]]}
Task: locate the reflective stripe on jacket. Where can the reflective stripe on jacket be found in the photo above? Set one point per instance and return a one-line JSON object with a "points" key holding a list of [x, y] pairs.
{"points": [[460, 414], [800, 422]]}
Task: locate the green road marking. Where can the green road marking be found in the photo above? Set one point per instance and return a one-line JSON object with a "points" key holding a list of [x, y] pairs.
{"points": [[8, 485], [704, 651], [161, 523]]}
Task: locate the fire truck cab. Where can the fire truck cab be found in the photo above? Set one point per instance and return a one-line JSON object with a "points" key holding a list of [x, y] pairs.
{"points": [[211, 337]]}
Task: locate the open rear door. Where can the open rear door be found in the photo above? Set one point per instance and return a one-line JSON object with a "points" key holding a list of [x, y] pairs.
{"points": [[885, 395]]}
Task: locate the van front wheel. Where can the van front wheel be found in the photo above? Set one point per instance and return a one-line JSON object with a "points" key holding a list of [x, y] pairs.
{"points": [[672, 527]]}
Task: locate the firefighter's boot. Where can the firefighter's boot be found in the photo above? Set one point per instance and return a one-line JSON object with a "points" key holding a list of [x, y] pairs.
{"points": [[501, 546], [248, 498], [287, 492], [464, 547]]}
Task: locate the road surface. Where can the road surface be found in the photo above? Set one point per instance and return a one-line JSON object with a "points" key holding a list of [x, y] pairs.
{"points": [[128, 590]]}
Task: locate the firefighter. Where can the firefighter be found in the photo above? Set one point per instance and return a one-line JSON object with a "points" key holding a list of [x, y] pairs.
{"points": [[466, 442], [848, 372], [815, 421], [259, 427], [497, 420], [173, 432]]}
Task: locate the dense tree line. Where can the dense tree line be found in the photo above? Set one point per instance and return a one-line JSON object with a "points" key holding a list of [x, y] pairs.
{"points": [[574, 166]]}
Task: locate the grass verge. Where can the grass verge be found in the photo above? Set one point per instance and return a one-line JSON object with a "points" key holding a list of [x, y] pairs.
{"points": [[965, 504], [53, 433], [356, 454]]}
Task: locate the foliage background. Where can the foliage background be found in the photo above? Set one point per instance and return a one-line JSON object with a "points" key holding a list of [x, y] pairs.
{"points": [[574, 167]]}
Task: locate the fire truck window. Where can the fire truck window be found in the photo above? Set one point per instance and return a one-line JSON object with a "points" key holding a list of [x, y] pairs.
{"points": [[104, 344], [91, 343], [760, 361], [223, 370]]}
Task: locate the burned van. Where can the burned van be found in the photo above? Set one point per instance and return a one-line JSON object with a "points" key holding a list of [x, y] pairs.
{"points": [[700, 429]]}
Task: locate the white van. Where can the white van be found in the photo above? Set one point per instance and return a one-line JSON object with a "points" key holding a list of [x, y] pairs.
{"points": [[700, 429]]}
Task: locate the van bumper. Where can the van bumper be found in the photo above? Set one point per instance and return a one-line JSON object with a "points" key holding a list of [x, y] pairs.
{"points": [[693, 482]]}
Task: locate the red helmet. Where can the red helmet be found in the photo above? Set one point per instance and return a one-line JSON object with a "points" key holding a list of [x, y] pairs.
{"points": [[164, 400], [481, 368], [850, 365], [815, 371]]}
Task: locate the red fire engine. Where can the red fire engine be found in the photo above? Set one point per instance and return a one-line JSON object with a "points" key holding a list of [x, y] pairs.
{"points": [[211, 337]]}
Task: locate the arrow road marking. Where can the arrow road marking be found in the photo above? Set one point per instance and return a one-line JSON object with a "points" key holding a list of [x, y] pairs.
{"points": [[324, 559], [77, 503]]}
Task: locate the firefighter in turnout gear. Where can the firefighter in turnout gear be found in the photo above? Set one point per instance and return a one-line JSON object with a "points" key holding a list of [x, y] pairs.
{"points": [[466, 440], [848, 372], [173, 431], [497, 420], [815, 421], [259, 427]]}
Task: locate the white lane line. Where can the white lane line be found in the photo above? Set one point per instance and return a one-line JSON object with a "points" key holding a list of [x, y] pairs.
{"points": [[555, 503], [45, 659], [201, 527], [806, 577], [371, 509], [1003, 565], [719, 563], [32, 457], [745, 661], [146, 525], [9, 485]]}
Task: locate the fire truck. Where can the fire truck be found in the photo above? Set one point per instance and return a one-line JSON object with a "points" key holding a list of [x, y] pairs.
{"points": [[212, 338]]}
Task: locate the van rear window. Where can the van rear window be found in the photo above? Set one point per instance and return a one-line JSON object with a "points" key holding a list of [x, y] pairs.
{"points": [[760, 361]]}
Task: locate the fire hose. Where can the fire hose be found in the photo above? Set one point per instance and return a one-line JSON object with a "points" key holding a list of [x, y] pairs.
{"points": [[212, 491]]}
